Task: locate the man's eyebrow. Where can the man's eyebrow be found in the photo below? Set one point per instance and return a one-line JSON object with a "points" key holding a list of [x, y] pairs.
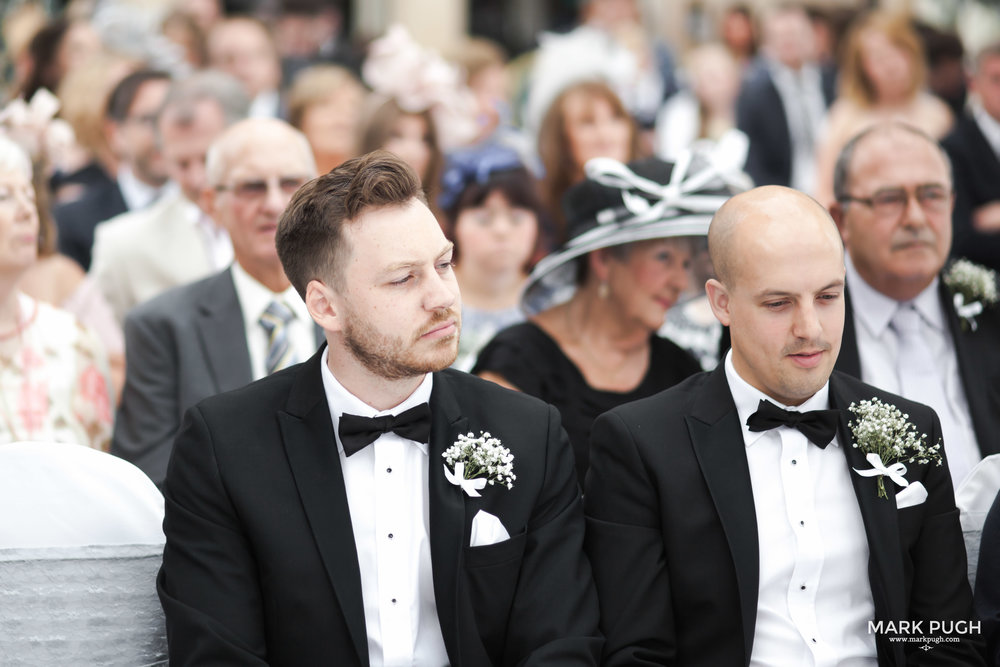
{"points": [[772, 293], [411, 263]]}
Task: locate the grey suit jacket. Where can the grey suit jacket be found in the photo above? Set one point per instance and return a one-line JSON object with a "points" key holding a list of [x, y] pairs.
{"points": [[182, 346]]}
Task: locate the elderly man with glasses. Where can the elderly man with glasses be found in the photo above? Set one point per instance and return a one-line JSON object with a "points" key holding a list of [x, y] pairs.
{"points": [[916, 326], [236, 326]]}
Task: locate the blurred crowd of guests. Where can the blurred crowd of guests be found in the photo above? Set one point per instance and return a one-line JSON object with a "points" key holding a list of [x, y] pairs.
{"points": [[149, 154]]}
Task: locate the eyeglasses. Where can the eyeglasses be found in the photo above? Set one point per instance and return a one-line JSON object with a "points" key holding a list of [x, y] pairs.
{"points": [[891, 202], [257, 189], [147, 120]]}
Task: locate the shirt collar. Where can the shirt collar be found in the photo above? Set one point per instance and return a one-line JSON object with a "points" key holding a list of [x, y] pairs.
{"points": [[255, 298], [340, 400], [747, 398], [876, 310], [988, 125], [139, 195]]}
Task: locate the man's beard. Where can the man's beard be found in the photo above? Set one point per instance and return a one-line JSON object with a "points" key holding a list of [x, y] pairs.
{"points": [[392, 357]]}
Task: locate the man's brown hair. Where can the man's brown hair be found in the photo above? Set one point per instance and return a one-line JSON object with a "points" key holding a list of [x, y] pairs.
{"points": [[310, 237]]}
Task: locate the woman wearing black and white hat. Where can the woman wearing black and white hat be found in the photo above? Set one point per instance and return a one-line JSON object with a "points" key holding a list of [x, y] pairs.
{"points": [[595, 304]]}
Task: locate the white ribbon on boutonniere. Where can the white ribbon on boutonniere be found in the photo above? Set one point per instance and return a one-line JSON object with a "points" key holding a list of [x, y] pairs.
{"points": [[968, 311], [478, 461], [894, 472], [470, 486], [888, 439], [972, 283]]}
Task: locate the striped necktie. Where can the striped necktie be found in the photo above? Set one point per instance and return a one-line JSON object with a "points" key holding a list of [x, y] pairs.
{"points": [[279, 349]]}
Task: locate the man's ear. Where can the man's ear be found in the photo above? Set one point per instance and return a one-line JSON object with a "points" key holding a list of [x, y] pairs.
{"points": [[718, 298], [838, 214], [322, 303]]}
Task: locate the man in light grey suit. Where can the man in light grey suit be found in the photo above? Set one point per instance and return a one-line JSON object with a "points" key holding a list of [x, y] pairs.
{"points": [[140, 254], [222, 332]]}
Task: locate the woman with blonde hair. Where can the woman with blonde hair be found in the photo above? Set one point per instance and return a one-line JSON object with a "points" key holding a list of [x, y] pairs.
{"points": [[324, 103], [882, 77], [54, 382]]}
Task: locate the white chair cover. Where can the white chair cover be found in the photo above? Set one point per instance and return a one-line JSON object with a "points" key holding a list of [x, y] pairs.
{"points": [[974, 497], [65, 495], [81, 541]]}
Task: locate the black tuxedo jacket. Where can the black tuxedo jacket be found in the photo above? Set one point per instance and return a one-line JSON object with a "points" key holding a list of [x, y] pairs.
{"points": [[977, 181], [978, 355], [760, 115], [672, 532], [260, 564]]}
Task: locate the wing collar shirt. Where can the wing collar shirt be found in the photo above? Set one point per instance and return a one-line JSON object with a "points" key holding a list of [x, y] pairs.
{"points": [[386, 485], [254, 299], [878, 350], [814, 598]]}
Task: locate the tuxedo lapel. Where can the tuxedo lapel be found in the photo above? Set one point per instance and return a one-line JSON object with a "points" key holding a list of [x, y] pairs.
{"points": [[718, 444], [971, 349], [307, 432], [885, 575], [222, 335], [447, 512]]}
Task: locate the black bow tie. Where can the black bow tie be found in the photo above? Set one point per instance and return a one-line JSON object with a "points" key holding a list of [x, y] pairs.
{"points": [[356, 432], [819, 426]]}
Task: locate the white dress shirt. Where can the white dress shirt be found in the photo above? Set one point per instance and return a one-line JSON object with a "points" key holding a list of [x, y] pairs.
{"points": [[254, 299], [814, 598], [386, 486], [878, 349], [801, 93], [139, 195]]}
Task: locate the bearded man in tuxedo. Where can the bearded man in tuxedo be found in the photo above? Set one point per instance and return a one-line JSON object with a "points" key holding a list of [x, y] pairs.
{"points": [[317, 517]]}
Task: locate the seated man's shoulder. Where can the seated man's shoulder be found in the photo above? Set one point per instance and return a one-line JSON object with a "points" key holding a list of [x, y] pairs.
{"points": [[177, 303], [482, 394], [860, 391], [676, 401]]}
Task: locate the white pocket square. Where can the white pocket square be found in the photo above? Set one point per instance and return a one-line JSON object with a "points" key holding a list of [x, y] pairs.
{"points": [[914, 494], [486, 530]]}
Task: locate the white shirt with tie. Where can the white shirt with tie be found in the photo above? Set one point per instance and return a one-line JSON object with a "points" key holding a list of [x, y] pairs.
{"points": [[254, 299], [878, 350], [814, 597], [386, 485]]}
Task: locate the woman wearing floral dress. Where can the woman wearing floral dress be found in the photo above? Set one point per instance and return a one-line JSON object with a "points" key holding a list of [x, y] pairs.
{"points": [[54, 382]]}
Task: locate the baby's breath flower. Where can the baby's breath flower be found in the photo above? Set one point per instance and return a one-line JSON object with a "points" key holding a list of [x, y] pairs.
{"points": [[880, 428], [483, 456]]}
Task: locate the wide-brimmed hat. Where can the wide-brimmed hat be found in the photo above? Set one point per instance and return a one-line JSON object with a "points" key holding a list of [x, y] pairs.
{"points": [[646, 199]]}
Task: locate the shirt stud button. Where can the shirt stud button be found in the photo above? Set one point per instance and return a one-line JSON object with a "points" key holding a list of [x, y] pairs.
{"points": [[389, 470]]}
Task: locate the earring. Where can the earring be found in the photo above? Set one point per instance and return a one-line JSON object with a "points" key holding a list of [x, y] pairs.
{"points": [[603, 290]]}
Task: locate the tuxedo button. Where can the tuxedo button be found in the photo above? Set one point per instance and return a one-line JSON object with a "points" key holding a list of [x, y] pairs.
{"points": [[802, 523], [794, 462], [390, 536], [802, 587], [388, 470], [394, 602]]}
